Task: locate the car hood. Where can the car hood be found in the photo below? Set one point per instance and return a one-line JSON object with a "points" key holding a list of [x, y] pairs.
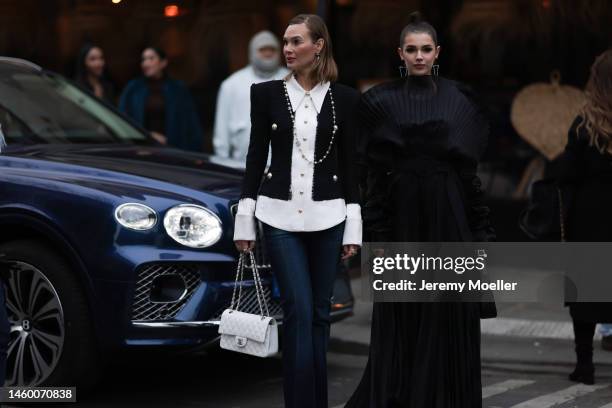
{"points": [[193, 170]]}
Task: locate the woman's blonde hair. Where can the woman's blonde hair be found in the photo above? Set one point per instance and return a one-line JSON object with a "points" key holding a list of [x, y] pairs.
{"points": [[597, 112], [325, 68]]}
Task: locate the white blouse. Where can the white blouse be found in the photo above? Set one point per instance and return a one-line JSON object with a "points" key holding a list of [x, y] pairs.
{"points": [[300, 213]]}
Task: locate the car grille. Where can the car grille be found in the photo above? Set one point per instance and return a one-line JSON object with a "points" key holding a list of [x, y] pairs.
{"points": [[143, 309], [249, 304], [261, 255]]}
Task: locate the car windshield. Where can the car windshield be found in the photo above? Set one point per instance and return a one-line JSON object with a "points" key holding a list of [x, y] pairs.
{"points": [[40, 107]]}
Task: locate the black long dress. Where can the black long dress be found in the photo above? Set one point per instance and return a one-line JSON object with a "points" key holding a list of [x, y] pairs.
{"points": [[422, 138], [589, 173]]}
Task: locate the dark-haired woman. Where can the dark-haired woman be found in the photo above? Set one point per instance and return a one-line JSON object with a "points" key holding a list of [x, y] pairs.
{"points": [[422, 139], [91, 73], [307, 201], [162, 105], [586, 164]]}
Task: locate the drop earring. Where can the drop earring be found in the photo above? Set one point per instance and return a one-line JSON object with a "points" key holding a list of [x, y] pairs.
{"points": [[435, 69], [403, 71]]}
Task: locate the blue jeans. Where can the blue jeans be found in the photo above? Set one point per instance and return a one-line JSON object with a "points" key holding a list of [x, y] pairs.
{"points": [[305, 264]]}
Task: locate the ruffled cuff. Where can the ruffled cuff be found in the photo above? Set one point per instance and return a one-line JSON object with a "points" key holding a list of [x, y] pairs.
{"points": [[353, 227], [245, 224]]}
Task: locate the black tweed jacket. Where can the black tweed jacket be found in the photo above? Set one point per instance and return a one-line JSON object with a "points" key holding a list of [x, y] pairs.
{"points": [[271, 124]]}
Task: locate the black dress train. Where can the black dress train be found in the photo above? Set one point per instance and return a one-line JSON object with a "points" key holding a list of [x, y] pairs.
{"points": [[421, 141]]}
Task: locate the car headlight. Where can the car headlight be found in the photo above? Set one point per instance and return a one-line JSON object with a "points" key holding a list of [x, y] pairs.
{"points": [[193, 226], [136, 216]]}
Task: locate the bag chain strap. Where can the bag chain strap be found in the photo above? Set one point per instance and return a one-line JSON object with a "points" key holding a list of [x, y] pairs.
{"points": [[259, 287], [239, 274], [259, 292], [561, 217]]}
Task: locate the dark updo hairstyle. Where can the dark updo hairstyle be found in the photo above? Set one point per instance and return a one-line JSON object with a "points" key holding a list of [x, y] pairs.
{"points": [[416, 24]]}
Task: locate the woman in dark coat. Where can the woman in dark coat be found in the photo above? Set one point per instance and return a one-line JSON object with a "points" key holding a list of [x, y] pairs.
{"points": [[91, 73], [423, 138], [586, 166], [162, 105]]}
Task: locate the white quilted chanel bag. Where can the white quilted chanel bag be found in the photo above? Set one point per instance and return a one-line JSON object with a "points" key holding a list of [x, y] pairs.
{"points": [[248, 333]]}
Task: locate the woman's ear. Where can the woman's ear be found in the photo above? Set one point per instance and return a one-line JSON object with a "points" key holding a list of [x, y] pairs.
{"points": [[437, 51], [319, 45], [400, 53]]}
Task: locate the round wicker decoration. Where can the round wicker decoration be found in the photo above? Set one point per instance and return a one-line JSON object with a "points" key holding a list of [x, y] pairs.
{"points": [[543, 113]]}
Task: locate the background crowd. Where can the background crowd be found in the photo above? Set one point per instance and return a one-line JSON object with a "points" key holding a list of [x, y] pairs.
{"points": [[164, 106]]}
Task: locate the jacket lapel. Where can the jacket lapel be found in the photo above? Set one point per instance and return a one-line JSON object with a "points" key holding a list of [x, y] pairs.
{"points": [[324, 128]]}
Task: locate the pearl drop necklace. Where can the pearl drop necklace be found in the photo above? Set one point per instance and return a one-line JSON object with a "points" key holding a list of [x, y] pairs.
{"points": [[295, 136]]}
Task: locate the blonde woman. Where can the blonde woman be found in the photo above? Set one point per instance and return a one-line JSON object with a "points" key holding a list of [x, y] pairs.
{"points": [[307, 201], [586, 164]]}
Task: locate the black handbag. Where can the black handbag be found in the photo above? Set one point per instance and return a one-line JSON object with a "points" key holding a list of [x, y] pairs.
{"points": [[545, 217]]}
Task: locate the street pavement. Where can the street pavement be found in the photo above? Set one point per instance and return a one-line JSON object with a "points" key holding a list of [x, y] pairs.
{"points": [[527, 353]]}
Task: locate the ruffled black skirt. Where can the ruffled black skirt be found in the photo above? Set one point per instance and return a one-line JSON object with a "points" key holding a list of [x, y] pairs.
{"points": [[422, 355]]}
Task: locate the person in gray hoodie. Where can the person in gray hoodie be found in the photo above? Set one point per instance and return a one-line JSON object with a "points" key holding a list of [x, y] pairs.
{"points": [[232, 119]]}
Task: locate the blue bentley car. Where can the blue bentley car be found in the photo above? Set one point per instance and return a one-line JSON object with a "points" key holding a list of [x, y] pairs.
{"points": [[109, 240]]}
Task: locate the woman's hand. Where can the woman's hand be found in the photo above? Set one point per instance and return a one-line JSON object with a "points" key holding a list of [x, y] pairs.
{"points": [[348, 251], [244, 246]]}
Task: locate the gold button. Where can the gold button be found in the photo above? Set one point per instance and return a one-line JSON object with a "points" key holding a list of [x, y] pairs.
{"points": [[269, 175], [274, 126], [335, 178]]}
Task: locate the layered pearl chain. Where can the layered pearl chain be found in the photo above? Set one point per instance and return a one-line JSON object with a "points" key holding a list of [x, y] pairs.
{"points": [[295, 136]]}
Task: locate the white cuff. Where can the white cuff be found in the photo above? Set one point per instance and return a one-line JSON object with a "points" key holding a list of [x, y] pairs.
{"points": [[246, 206], [352, 226], [245, 224]]}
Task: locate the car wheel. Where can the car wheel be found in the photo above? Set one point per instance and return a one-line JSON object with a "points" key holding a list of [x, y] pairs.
{"points": [[51, 341]]}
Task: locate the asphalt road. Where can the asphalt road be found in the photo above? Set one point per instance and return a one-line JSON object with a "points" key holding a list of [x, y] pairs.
{"points": [[517, 372], [526, 356]]}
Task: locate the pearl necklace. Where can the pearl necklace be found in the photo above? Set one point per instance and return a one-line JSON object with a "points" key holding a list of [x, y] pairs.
{"points": [[295, 136]]}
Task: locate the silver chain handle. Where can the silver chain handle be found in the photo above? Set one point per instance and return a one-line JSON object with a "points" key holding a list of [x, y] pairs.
{"points": [[259, 291], [239, 274], [258, 286]]}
